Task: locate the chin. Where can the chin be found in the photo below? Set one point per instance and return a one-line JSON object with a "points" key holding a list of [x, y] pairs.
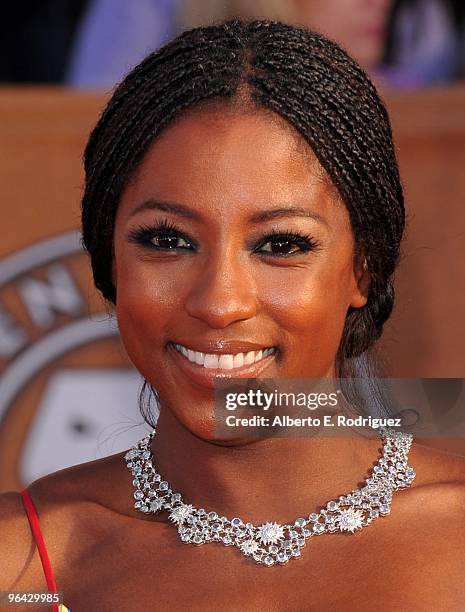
{"points": [[202, 425]]}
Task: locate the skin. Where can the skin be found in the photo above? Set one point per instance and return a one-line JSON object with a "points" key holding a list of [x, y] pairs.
{"points": [[225, 165], [224, 291], [358, 25]]}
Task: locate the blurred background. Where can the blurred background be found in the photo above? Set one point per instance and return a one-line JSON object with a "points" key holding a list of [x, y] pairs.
{"points": [[91, 44], [68, 392]]}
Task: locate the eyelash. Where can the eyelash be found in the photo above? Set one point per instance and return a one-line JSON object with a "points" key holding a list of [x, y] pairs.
{"points": [[144, 235]]}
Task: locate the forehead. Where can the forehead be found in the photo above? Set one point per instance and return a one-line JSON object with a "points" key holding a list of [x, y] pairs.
{"points": [[235, 160]]}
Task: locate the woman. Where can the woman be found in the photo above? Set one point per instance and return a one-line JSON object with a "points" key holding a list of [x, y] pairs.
{"points": [[243, 211], [359, 26]]}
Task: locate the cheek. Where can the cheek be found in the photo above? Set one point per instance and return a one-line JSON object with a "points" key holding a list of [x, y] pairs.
{"points": [[309, 307], [304, 307], [145, 304]]}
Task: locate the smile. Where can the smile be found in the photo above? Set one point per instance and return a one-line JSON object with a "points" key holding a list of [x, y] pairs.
{"points": [[223, 361]]}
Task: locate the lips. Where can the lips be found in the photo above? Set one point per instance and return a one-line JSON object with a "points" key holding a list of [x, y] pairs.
{"points": [[215, 366]]}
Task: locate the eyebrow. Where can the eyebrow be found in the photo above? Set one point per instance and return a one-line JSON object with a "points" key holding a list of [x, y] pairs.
{"points": [[184, 211]]}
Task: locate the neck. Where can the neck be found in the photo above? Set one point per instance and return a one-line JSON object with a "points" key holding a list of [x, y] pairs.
{"points": [[275, 479]]}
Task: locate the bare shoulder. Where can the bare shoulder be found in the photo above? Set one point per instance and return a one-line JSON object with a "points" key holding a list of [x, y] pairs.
{"points": [[95, 483], [425, 534], [438, 490], [67, 502], [436, 500], [435, 467], [14, 532]]}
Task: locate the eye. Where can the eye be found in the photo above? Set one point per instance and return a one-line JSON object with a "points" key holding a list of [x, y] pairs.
{"points": [[166, 236], [163, 236], [286, 244], [161, 241]]}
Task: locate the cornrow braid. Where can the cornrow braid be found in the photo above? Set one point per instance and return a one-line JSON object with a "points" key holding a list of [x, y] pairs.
{"points": [[301, 76]]}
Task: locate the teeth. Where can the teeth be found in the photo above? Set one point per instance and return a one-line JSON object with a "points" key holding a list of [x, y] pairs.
{"points": [[238, 361], [249, 358], [223, 362], [211, 361], [226, 362]]}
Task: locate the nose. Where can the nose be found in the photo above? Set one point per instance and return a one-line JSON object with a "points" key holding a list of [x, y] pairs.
{"points": [[222, 293]]}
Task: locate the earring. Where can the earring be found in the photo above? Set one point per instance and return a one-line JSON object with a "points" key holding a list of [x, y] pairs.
{"points": [[365, 265]]}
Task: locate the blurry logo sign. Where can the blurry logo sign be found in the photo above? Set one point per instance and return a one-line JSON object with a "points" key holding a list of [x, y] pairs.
{"points": [[44, 316], [28, 349]]}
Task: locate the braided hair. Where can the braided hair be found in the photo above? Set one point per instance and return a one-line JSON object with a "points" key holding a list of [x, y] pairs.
{"points": [[306, 79]]}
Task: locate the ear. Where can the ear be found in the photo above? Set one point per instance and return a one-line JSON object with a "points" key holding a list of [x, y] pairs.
{"points": [[361, 282]]}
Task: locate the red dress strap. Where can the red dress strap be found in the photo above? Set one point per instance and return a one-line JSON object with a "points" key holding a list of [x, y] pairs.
{"points": [[38, 537]]}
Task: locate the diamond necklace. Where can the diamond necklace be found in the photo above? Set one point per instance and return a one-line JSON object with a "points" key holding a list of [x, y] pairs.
{"points": [[272, 543]]}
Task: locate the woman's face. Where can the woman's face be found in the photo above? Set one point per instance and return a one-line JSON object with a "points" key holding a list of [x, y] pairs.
{"points": [[215, 279], [360, 26]]}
